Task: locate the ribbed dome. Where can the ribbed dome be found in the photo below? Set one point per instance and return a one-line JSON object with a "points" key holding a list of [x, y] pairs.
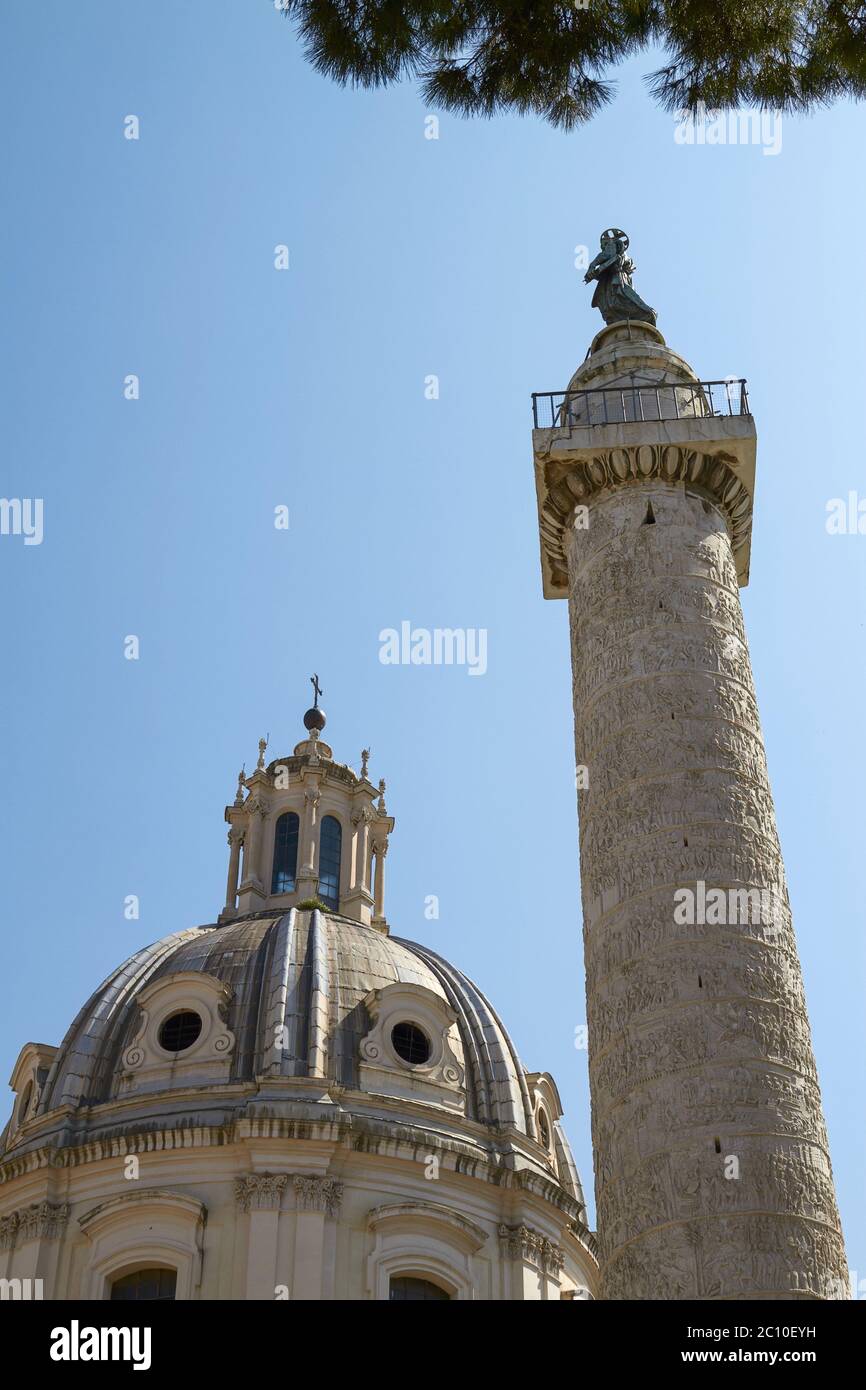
{"points": [[326, 966]]}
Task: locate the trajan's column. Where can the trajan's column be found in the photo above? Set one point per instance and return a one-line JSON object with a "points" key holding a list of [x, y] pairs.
{"points": [[712, 1171]]}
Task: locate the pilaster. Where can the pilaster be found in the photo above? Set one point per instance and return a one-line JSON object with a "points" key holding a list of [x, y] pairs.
{"points": [[260, 1195], [532, 1263], [316, 1200]]}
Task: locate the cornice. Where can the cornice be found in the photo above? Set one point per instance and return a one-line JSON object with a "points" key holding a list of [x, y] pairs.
{"points": [[359, 1134]]}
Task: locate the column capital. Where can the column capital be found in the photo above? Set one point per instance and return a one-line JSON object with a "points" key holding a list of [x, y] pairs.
{"points": [[42, 1220], [260, 1191], [570, 475], [525, 1243], [8, 1230], [318, 1194]]}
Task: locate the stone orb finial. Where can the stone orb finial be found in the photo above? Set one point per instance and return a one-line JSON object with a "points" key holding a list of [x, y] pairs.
{"points": [[315, 719]]}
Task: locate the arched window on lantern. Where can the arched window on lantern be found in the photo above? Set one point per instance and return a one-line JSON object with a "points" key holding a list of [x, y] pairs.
{"points": [[330, 848], [285, 853]]}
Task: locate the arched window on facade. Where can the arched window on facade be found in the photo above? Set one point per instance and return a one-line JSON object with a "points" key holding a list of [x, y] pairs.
{"points": [[145, 1286], [24, 1103], [543, 1130], [330, 847], [285, 853], [404, 1287]]}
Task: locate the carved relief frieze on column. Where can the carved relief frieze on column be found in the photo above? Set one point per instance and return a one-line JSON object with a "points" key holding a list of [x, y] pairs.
{"points": [[712, 1178]]}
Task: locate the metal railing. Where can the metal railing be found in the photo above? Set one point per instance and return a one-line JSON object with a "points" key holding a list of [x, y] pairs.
{"points": [[639, 401]]}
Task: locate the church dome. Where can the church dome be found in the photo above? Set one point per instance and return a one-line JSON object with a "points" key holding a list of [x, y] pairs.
{"points": [[304, 1005], [291, 1101]]}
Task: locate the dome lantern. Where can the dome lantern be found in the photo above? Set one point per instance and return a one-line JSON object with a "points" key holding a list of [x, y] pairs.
{"points": [[309, 829]]}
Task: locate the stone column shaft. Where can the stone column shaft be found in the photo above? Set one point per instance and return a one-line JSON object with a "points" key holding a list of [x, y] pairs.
{"points": [[712, 1172], [713, 1176], [234, 837], [252, 846], [381, 849], [362, 854]]}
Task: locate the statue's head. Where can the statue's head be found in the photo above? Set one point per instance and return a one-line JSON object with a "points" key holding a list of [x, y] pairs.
{"points": [[614, 236]]}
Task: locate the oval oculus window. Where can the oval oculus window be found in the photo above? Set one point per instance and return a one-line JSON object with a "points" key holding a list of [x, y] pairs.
{"points": [[410, 1043], [180, 1031]]}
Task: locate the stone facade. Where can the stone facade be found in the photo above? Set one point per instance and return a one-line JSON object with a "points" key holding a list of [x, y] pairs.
{"points": [[284, 1232], [712, 1169]]}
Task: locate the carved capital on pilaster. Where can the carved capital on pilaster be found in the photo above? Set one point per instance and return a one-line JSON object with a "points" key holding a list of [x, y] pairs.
{"points": [[260, 1191], [552, 1259], [524, 1243], [8, 1230], [520, 1243], [42, 1220], [318, 1194]]}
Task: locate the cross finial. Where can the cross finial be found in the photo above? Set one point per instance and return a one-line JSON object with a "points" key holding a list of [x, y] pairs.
{"points": [[365, 758], [317, 690]]}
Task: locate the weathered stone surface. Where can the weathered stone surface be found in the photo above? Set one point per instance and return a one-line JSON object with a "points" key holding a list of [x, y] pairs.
{"points": [[713, 1178]]}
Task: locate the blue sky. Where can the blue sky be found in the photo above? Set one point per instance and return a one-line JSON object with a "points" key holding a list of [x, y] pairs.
{"points": [[409, 257]]}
